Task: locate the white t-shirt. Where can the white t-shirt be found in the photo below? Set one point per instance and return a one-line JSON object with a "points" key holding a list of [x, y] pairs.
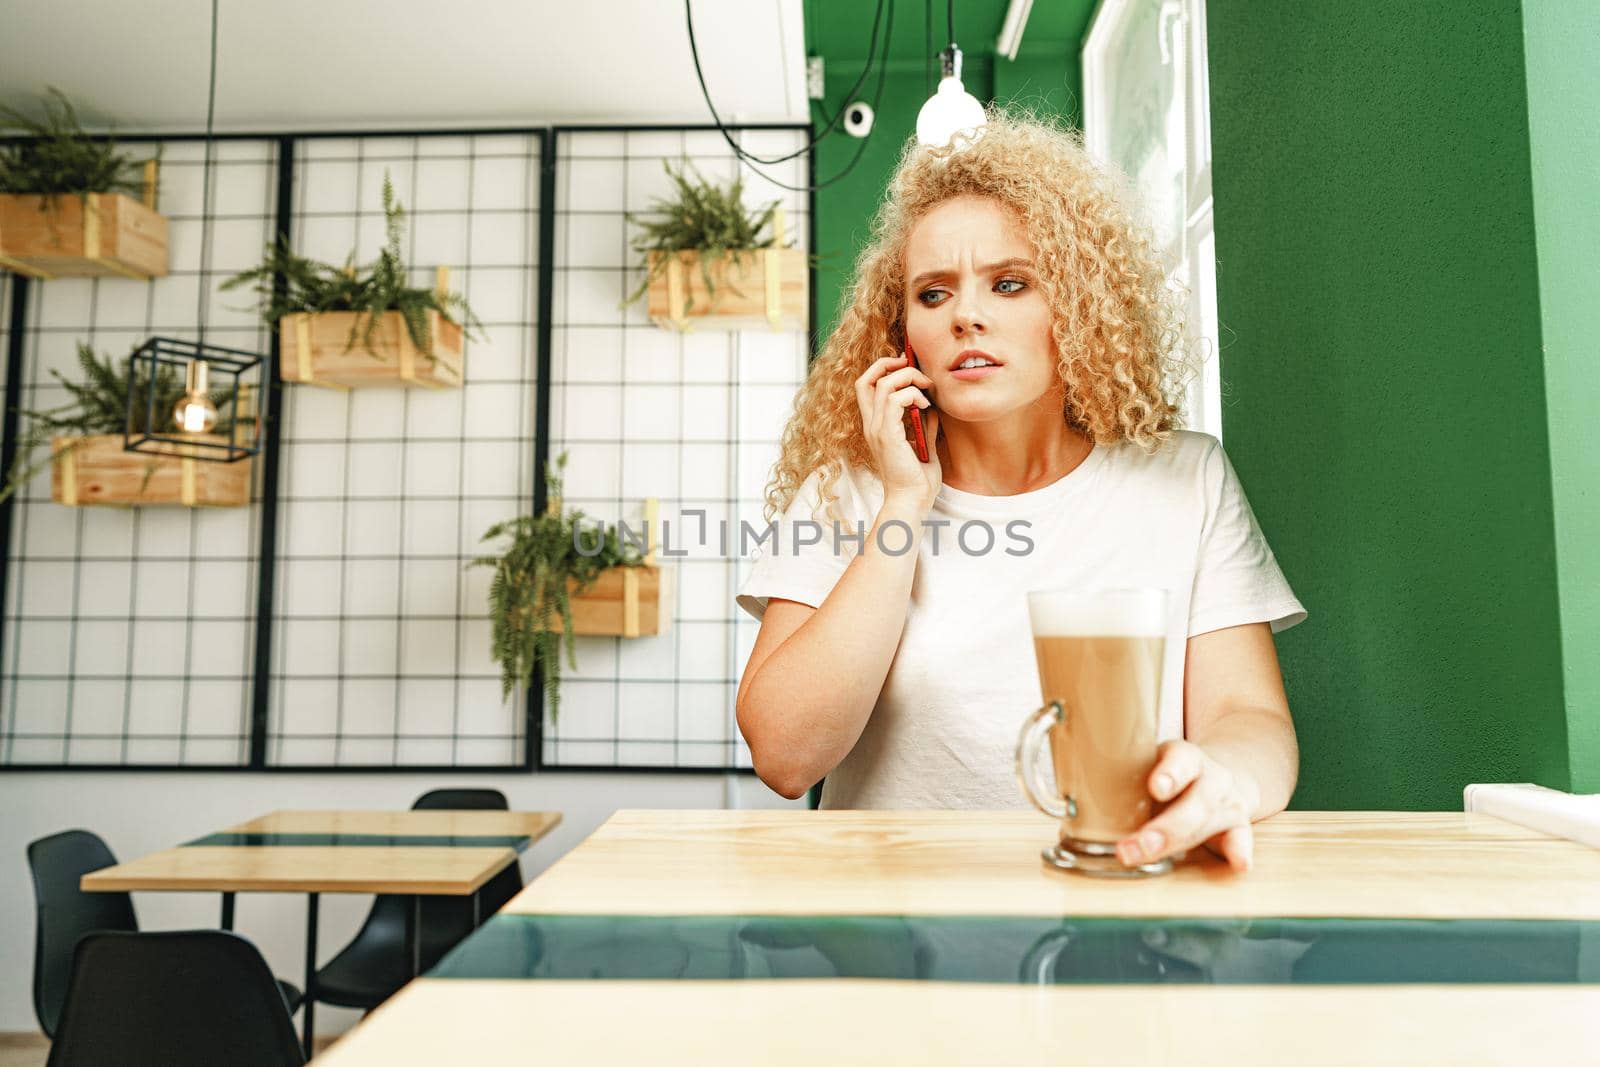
{"points": [[963, 678]]}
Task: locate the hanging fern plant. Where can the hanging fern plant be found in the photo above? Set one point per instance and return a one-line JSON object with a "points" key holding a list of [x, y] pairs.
{"points": [[529, 593], [60, 157], [703, 217], [313, 286], [98, 404]]}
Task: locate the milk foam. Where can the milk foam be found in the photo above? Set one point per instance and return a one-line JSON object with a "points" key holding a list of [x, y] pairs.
{"points": [[1090, 613]]}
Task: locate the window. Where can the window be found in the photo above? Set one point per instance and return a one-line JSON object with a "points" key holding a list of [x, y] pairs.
{"points": [[1147, 112]]}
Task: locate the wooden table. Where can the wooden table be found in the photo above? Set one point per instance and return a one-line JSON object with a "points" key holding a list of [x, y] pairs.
{"points": [[1317, 866], [417, 853]]}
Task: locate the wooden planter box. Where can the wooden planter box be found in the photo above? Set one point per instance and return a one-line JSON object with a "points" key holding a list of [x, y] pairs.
{"points": [[313, 350], [623, 602], [77, 237], [99, 471], [763, 288]]}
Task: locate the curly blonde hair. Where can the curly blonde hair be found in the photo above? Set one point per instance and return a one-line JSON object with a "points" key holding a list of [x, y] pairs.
{"points": [[1119, 332]]}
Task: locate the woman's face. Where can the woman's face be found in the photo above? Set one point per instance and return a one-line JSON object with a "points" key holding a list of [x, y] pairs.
{"points": [[971, 288]]}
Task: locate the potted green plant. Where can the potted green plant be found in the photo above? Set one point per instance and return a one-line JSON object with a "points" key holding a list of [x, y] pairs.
{"points": [[709, 259], [72, 205], [321, 305], [547, 591], [85, 439]]}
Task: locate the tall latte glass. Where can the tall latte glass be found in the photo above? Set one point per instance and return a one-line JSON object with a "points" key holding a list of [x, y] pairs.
{"points": [[1099, 654]]}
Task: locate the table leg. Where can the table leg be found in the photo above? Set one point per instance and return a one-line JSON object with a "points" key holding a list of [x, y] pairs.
{"points": [[477, 907], [310, 1001], [414, 935], [227, 911]]}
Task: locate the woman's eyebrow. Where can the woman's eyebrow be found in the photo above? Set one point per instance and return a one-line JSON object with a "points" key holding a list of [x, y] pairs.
{"points": [[931, 275]]}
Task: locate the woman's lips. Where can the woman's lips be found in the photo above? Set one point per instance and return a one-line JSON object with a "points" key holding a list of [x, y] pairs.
{"points": [[974, 374]]}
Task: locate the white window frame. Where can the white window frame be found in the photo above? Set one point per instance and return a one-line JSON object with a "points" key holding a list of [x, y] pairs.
{"points": [[1182, 24]]}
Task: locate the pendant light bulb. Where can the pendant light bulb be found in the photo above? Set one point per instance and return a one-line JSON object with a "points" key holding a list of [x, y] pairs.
{"points": [[195, 413], [951, 109]]}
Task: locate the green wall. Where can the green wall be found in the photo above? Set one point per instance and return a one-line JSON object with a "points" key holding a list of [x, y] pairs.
{"points": [[1378, 276], [1045, 74], [1407, 294], [1562, 44]]}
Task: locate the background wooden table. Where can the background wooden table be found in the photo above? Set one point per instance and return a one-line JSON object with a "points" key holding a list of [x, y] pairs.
{"points": [[1308, 864], [417, 853], [430, 868]]}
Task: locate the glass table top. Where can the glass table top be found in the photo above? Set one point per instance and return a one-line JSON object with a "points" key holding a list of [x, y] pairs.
{"points": [[1042, 951], [257, 840]]}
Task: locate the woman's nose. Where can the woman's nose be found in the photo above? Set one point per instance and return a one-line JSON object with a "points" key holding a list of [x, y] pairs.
{"points": [[968, 317]]}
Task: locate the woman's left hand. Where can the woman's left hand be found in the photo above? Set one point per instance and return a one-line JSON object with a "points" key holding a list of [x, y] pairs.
{"points": [[1212, 808]]}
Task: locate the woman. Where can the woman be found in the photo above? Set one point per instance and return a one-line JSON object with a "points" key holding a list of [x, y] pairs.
{"points": [[903, 676]]}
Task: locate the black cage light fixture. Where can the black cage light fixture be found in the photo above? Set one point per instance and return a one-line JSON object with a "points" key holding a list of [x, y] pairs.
{"points": [[190, 398]]}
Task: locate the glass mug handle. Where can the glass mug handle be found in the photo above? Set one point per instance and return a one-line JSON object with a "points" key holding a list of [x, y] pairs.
{"points": [[1033, 734]]}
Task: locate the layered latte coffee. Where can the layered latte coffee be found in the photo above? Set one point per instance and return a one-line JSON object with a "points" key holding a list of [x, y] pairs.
{"points": [[1101, 659]]}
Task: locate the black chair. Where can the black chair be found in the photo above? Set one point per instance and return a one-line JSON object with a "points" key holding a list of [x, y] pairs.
{"points": [[65, 913], [373, 966], [191, 998]]}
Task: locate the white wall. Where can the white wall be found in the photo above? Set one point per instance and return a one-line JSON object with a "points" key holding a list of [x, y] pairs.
{"points": [[139, 813]]}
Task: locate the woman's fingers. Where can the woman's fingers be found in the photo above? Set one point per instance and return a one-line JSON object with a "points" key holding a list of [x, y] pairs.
{"points": [[866, 383], [878, 388], [892, 390], [890, 384], [1205, 806], [888, 366], [1178, 763], [866, 380], [891, 411], [910, 395], [884, 391], [1236, 845], [1185, 824], [876, 368]]}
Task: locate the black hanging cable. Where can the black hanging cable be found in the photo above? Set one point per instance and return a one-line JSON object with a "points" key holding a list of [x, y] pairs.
{"points": [[950, 21], [928, 49], [872, 51], [860, 149], [205, 184]]}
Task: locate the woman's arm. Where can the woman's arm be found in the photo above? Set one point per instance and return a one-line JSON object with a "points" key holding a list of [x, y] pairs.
{"points": [[1239, 762], [803, 703]]}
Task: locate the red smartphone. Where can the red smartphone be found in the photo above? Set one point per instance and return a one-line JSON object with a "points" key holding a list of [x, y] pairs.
{"points": [[920, 439]]}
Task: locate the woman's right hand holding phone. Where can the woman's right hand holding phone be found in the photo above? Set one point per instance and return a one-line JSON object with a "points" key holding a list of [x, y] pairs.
{"points": [[886, 391]]}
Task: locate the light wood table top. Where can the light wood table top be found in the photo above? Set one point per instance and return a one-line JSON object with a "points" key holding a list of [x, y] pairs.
{"points": [[532, 824], [435, 867], [1423, 865], [840, 863], [807, 1022]]}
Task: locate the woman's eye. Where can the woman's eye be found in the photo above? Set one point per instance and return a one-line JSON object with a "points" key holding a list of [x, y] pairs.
{"points": [[923, 296]]}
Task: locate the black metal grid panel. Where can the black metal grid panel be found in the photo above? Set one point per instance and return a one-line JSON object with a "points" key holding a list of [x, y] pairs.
{"points": [[380, 651], [747, 451], [128, 633], [693, 420]]}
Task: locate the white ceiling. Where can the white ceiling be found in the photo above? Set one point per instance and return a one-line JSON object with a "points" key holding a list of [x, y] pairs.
{"points": [[318, 64]]}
